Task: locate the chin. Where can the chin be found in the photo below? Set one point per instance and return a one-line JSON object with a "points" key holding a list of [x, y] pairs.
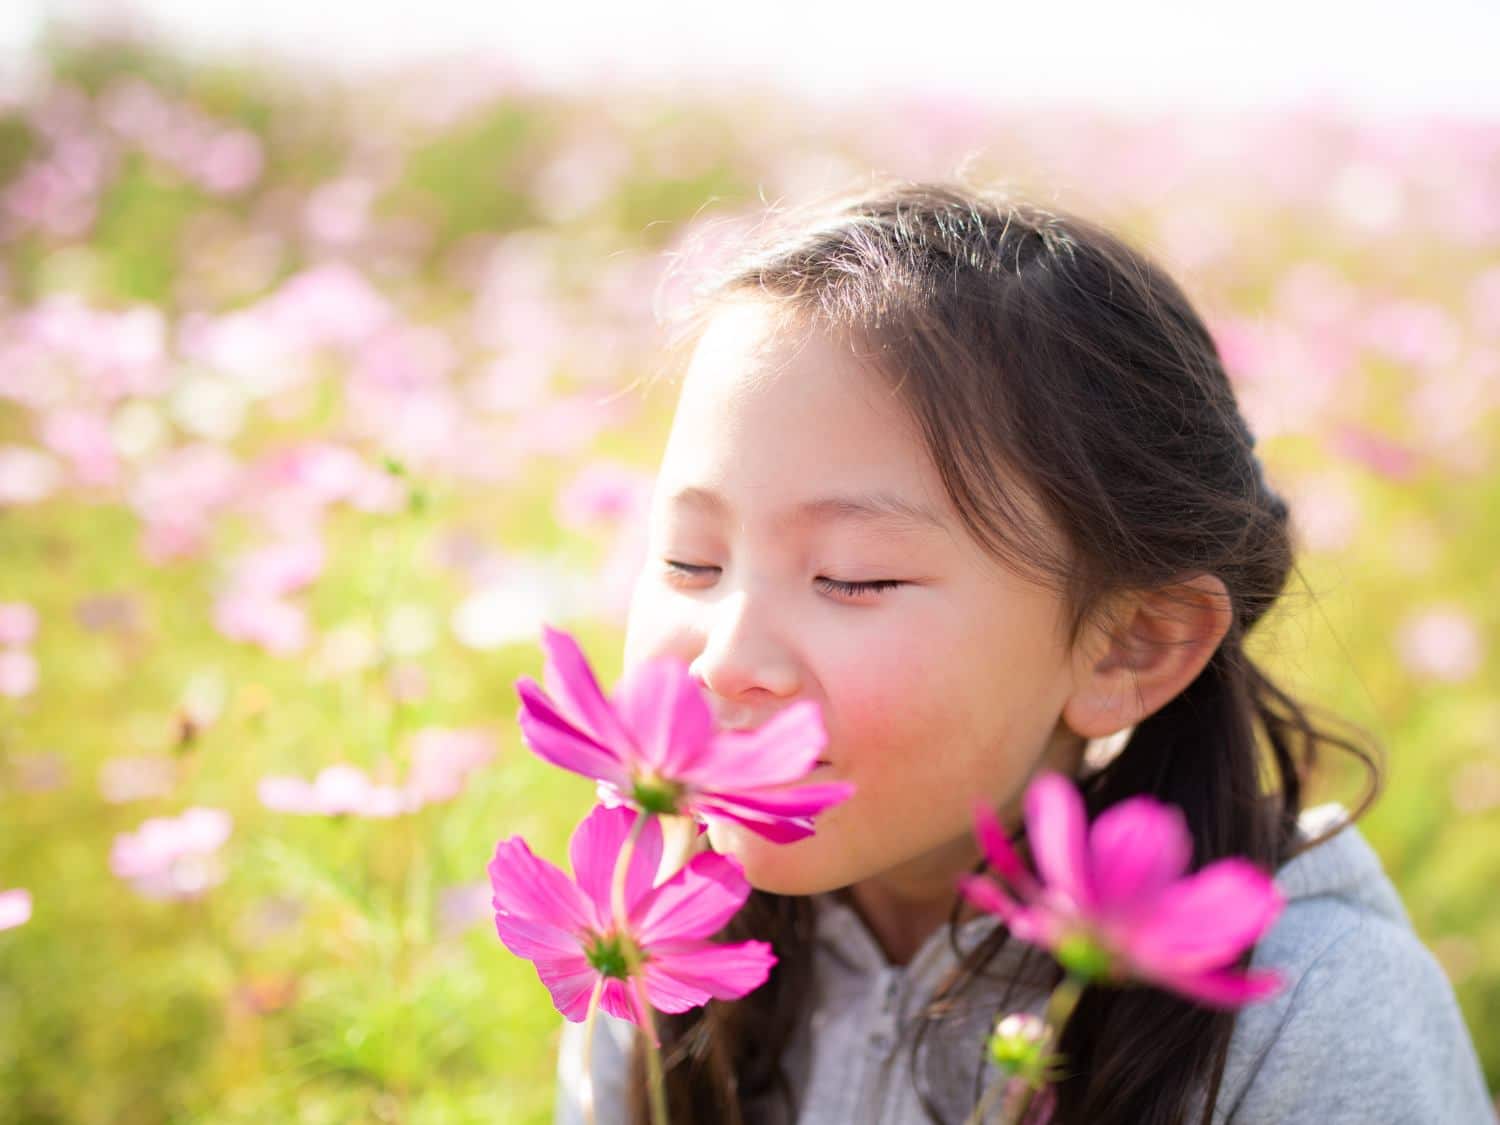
{"points": [[782, 869]]}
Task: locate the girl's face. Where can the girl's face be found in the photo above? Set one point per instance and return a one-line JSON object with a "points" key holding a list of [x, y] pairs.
{"points": [[802, 547]]}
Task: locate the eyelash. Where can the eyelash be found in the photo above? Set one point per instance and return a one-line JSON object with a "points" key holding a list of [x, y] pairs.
{"points": [[845, 589]]}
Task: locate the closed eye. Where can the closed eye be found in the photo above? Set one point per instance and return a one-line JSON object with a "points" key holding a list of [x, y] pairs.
{"points": [[834, 585]]}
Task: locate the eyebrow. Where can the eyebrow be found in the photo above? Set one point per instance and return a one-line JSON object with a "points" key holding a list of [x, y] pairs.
{"points": [[863, 507]]}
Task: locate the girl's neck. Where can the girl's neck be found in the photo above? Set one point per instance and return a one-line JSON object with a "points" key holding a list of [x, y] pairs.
{"points": [[901, 918], [904, 906]]}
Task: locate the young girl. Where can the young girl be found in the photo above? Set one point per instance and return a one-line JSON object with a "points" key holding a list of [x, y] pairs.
{"points": [[969, 474]]}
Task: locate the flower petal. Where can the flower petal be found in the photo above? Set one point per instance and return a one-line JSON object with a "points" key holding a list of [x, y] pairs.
{"points": [[1136, 849], [594, 849], [1056, 826], [536, 941], [620, 1000], [696, 902], [1224, 988], [552, 736], [1206, 920], [533, 889], [571, 983], [683, 975], [781, 750], [997, 848], [798, 801], [669, 721], [571, 683], [989, 897], [777, 829]]}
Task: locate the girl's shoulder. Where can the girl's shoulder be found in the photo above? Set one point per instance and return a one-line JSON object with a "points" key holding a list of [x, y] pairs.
{"points": [[1367, 1028]]}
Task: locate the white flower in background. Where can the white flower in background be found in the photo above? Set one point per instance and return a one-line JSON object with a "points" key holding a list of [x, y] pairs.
{"points": [[27, 476], [347, 648], [513, 607], [209, 406], [139, 430], [410, 630]]}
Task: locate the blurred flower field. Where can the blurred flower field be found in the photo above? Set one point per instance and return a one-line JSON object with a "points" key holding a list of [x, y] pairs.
{"points": [[317, 399]]}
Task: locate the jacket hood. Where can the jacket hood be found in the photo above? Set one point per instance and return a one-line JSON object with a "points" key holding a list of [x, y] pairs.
{"points": [[1343, 867]]}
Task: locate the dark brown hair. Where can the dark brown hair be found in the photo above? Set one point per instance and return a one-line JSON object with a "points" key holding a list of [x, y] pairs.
{"points": [[1033, 346]]}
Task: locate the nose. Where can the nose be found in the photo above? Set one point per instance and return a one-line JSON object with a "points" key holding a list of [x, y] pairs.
{"points": [[745, 658]]}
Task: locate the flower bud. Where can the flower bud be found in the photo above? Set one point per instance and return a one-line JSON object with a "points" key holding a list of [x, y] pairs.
{"points": [[1016, 1045]]}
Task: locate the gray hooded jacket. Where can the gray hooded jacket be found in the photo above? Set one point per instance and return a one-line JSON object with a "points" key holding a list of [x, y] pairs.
{"points": [[1366, 1031]]}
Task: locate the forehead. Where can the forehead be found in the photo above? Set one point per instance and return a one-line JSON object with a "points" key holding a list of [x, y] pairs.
{"points": [[776, 409]]}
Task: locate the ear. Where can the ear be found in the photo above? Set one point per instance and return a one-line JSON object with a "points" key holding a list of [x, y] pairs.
{"points": [[1157, 644]]}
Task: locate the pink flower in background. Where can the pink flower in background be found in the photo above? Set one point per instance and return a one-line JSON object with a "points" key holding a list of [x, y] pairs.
{"points": [[328, 305], [1379, 454], [1115, 902], [565, 926], [173, 857], [253, 608], [137, 779], [84, 439], [603, 491], [462, 907], [277, 626], [322, 473], [443, 760], [654, 743], [1441, 643], [339, 790], [18, 622], [15, 908], [1416, 333], [18, 673], [279, 568], [229, 161], [179, 495]]}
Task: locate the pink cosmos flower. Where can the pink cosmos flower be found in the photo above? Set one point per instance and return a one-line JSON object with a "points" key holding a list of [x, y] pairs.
{"points": [[137, 779], [253, 608], [565, 926], [339, 790], [603, 491], [654, 744], [15, 908], [278, 626], [83, 438], [1114, 900], [180, 494], [443, 759], [173, 857], [18, 621]]}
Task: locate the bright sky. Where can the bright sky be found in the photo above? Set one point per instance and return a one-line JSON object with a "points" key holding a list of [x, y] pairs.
{"points": [[1433, 54]]}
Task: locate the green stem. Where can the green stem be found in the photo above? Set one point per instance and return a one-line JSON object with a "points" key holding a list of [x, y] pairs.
{"points": [[1059, 1007], [633, 970], [990, 1100], [588, 1054]]}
